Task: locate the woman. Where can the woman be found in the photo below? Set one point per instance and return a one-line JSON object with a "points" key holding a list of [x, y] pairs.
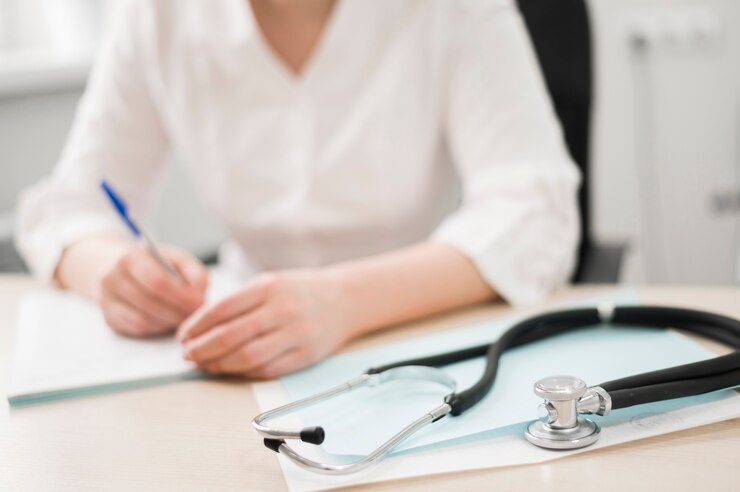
{"points": [[373, 162]]}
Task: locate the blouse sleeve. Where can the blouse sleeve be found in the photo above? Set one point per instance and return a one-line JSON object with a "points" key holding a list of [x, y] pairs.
{"points": [[117, 135], [518, 221]]}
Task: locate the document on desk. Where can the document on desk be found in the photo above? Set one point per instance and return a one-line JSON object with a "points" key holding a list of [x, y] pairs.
{"points": [[490, 434], [63, 349]]}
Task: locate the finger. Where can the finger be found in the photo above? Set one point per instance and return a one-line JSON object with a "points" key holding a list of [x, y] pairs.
{"points": [[118, 321], [253, 354], [127, 320], [156, 297], [289, 361], [153, 277], [227, 337], [135, 295], [247, 299], [193, 271]]}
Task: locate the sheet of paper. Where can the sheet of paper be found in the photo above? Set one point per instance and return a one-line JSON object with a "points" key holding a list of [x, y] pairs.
{"points": [[64, 348], [506, 446], [357, 422]]}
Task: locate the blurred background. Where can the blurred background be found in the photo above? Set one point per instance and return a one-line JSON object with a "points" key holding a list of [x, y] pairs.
{"points": [[664, 145]]}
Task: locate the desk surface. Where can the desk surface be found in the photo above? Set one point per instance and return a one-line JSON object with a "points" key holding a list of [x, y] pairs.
{"points": [[196, 435]]}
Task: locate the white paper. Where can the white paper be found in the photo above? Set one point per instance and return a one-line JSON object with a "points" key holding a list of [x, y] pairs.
{"points": [[64, 348]]}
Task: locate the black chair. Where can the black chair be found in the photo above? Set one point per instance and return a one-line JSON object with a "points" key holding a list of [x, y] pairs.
{"points": [[561, 35]]}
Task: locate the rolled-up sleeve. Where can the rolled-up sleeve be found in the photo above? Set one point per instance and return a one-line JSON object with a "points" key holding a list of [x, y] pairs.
{"points": [[518, 221], [117, 135]]}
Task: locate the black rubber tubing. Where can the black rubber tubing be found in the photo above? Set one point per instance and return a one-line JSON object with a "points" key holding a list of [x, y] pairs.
{"points": [[675, 382], [670, 390]]}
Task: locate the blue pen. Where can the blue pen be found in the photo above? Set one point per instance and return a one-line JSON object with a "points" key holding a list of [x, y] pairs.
{"points": [[122, 210]]}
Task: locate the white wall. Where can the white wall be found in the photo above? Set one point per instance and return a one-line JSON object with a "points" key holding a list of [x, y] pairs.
{"points": [[45, 52], [666, 136], [33, 128], [67, 28]]}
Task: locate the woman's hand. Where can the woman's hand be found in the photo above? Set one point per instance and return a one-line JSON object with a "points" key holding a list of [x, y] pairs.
{"points": [[278, 323], [139, 298], [284, 321]]}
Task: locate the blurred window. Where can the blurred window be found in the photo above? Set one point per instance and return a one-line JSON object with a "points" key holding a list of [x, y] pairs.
{"points": [[61, 29]]}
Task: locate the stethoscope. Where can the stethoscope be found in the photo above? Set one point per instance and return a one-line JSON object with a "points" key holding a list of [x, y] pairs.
{"points": [[565, 397]]}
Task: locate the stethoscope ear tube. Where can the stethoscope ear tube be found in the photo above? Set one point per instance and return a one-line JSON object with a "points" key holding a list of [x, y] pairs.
{"points": [[275, 438]]}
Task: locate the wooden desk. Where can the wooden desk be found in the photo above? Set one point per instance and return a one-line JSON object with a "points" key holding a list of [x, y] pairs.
{"points": [[196, 435]]}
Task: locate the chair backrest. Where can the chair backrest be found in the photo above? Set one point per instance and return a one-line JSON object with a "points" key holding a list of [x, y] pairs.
{"points": [[561, 35]]}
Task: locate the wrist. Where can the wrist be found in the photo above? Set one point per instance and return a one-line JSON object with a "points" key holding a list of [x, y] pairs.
{"points": [[83, 264], [347, 301], [403, 285]]}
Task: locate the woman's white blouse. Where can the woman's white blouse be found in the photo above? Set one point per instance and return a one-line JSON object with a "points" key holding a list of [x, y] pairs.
{"points": [[413, 119]]}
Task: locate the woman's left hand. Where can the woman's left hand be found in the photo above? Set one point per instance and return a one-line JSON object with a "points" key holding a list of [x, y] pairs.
{"points": [[277, 323]]}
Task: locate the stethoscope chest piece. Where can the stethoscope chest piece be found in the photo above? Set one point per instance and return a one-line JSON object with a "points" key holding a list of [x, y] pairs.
{"points": [[561, 427]]}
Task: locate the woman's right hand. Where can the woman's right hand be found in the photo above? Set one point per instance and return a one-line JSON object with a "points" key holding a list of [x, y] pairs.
{"points": [[137, 296]]}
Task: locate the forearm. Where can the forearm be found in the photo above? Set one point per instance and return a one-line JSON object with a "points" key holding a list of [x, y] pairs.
{"points": [[410, 283], [84, 263]]}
